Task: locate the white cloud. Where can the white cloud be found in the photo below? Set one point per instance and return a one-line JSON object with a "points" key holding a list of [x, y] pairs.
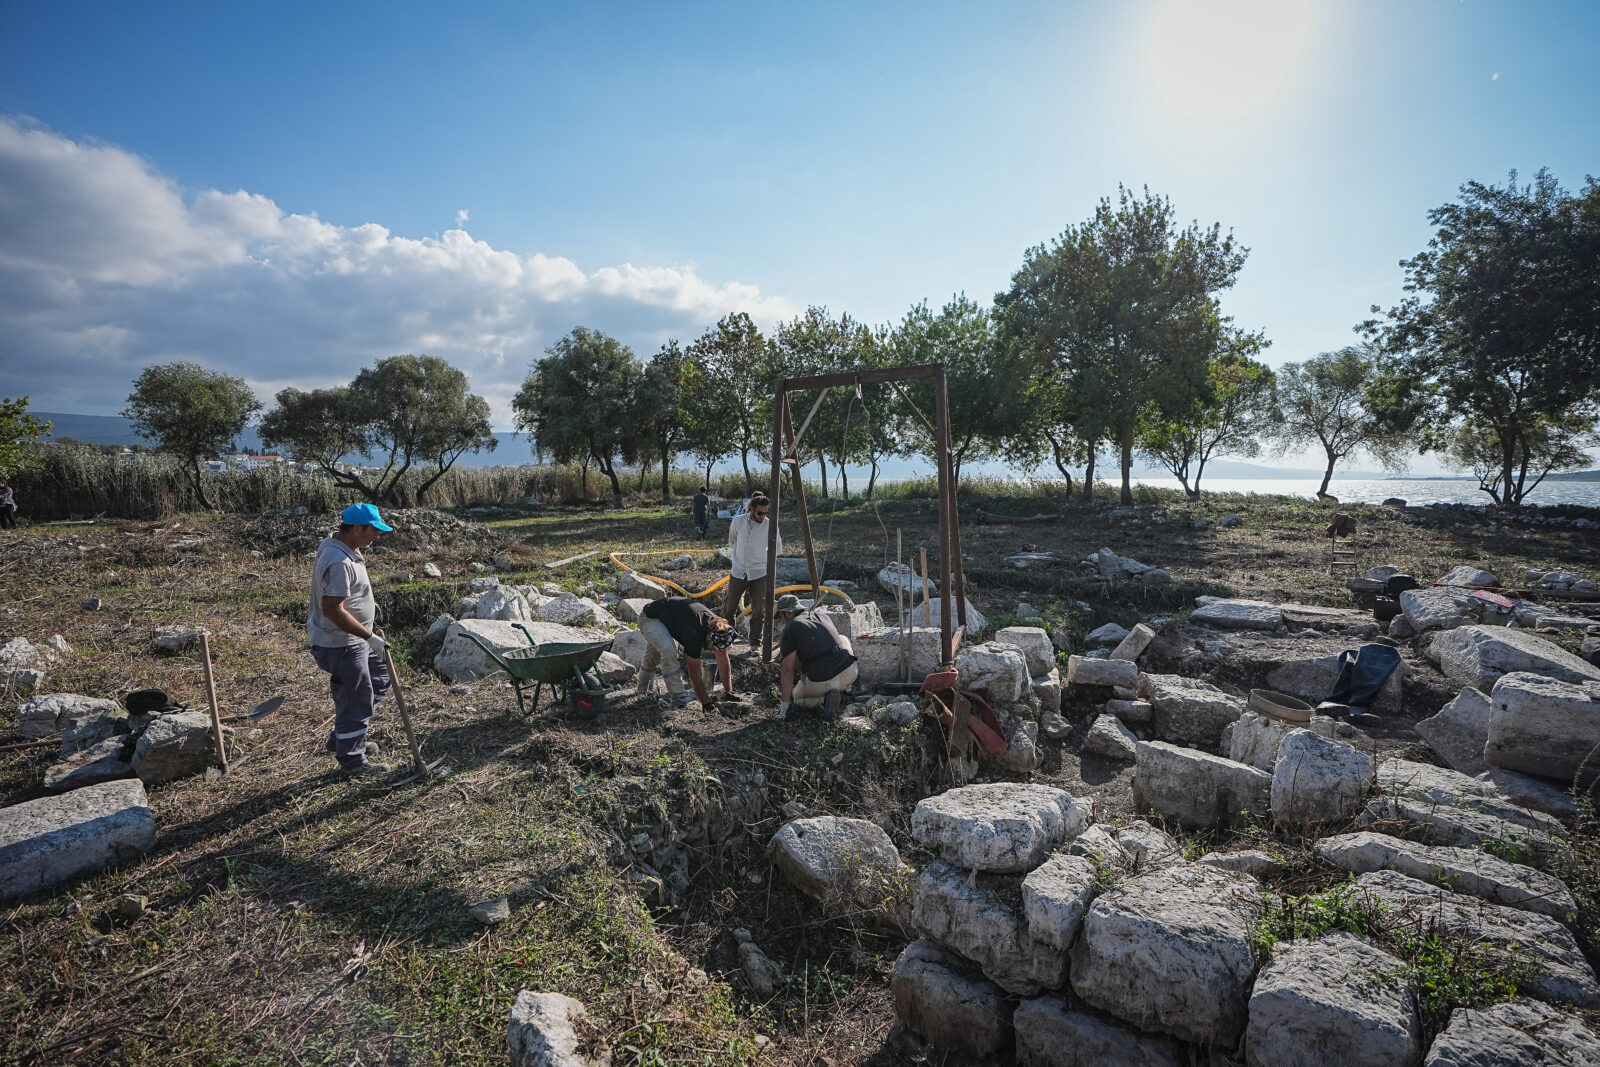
{"points": [[107, 266]]}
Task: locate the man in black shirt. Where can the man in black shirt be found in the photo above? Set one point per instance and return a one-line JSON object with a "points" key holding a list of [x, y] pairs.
{"points": [[810, 647], [678, 621], [702, 505]]}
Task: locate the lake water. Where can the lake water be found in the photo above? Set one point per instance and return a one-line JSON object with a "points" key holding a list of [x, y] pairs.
{"points": [[1376, 490]]}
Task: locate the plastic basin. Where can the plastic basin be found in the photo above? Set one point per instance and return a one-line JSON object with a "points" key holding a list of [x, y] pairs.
{"points": [[1280, 706]]}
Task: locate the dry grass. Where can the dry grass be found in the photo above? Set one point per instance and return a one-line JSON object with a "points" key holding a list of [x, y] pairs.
{"points": [[300, 919]]}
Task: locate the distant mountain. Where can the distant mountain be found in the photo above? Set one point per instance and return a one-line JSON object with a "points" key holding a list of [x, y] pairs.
{"points": [[1575, 476]]}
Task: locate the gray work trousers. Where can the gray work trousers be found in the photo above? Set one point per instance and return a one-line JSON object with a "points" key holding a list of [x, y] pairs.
{"points": [[758, 592], [357, 678]]}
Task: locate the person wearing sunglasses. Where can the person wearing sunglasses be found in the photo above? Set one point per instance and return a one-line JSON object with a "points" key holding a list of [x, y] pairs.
{"points": [[747, 577], [677, 631]]}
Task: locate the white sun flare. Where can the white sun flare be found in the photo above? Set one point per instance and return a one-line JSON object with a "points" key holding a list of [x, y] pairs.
{"points": [[1220, 60]]}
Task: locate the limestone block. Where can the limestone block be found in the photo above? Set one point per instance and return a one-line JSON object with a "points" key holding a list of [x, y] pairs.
{"points": [[1049, 1034], [1034, 643], [998, 671], [1081, 670], [998, 826], [544, 1032], [52, 840], [1312, 680], [632, 585], [1539, 725], [951, 1012], [1464, 870], [1187, 710], [878, 654], [1460, 730], [1481, 655], [1055, 897], [1239, 615], [982, 920], [1325, 1001], [1520, 1031], [1562, 976], [1197, 789], [1437, 609], [1133, 646], [1170, 952], [1047, 690], [1109, 738], [175, 746], [849, 864], [1318, 781]]}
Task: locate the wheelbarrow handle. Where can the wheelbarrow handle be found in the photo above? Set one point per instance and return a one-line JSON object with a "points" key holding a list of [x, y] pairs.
{"points": [[531, 642]]}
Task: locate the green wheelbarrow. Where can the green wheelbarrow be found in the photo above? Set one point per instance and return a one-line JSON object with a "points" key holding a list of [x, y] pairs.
{"points": [[570, 666]]}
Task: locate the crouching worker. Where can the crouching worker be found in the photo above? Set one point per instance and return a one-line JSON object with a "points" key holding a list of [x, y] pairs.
{"points": [[676, 622], [817, 663], [342, 641]]}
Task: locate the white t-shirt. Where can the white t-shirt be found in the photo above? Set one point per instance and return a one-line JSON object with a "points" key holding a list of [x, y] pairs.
{"points": [[747, 544], [339, 571]]}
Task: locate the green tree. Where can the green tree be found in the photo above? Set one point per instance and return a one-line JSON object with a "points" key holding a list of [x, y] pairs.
{"points": [[734, 358], [19, 434], [580, 401], [1324, 401], [1548, 445], [658, 419], [818, 343], [1047, 427], [1124, 306], [984, 381], [710, 418], [1228, 420], [413, 412], [194, 413], [1501, 333]]}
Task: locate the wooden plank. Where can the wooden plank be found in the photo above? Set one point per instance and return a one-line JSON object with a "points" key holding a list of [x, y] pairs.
{"points": [[828, 381]]}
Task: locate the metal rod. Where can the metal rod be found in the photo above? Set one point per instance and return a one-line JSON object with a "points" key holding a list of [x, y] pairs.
{"points": [[900, 589], [912, 404], [211, 694], [765, 607], [800, 501], [957, 579], [946, 620], [794, 438]]}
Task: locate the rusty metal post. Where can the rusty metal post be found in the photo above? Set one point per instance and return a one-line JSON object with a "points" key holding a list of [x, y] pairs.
{"points": [[793, 449], [780, 411], [946, 621], [958, 580]]}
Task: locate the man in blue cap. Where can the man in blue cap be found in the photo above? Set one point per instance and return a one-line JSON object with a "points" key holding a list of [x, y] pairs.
{"points": [[342, 641]]}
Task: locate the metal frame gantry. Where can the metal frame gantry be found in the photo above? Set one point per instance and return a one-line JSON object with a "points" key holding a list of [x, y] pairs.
{"points": [[786, 452]]}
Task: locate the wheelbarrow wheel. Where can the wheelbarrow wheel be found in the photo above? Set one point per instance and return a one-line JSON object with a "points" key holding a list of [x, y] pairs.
{"points": [[586, 704]]}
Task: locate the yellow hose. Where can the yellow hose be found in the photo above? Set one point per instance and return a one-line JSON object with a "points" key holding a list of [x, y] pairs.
{"points": [[719, 583]]}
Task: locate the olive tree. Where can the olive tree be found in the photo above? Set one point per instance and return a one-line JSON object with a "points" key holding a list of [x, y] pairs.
{"points": [[19, 432], [579, 402], [191, 412]]}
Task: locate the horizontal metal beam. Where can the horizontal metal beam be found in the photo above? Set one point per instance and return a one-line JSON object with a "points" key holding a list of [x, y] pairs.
{"points": [[865, 377]]}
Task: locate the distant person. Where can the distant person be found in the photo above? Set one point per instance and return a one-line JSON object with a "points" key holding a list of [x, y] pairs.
{"points": [[8, 507], [747, 545], [676, 622], [342, 639], [702, 505], [818, 662]]}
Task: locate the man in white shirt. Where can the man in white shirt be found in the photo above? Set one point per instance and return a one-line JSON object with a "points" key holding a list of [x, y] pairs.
{"points": [[747, 544]]}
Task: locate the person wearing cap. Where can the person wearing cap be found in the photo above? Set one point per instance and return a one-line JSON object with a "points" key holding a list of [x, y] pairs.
{"points": [[342, 639], [747, 575], [676, 621], [817, 663]]}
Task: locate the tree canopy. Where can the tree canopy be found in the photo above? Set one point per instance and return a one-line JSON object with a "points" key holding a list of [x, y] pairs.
{"points": [[1500, 337], [194, 413], [1227, 420], [735, 381], [1324, 401], [579, 402], [657, 421], [412, 411], [1124, 307], [19, 432]]}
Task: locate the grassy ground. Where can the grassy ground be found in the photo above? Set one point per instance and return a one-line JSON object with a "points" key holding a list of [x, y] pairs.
{"points": [[296, 918]]}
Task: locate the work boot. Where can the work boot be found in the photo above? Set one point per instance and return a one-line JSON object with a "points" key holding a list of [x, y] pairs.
{"points": [[332, 747]]}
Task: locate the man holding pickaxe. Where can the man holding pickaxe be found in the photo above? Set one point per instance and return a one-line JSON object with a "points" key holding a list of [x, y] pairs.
{"points": [[342, 640]]}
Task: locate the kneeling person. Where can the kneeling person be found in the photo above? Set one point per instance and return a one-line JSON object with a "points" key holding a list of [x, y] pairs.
{"points": [[678, 621], [811, 648]]}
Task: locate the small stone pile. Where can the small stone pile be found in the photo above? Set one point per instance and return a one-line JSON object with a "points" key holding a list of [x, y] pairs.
{"points": [[286, 531], [23, 665]]}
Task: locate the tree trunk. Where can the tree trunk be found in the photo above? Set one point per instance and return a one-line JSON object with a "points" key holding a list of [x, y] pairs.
{"points": [[1327, 475], [199, 486], [610, 469], [1088, 477], [584, 476], [666, 478], [1510, 498], [1198, 472], [644, 472], [872, 478], [749, 483], [1127, 466], [709, 464], [822, 465], [844, 480], [1061, 464]]}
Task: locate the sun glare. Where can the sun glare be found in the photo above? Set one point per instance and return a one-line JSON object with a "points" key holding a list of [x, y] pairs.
{"points": [[1220, 60]]}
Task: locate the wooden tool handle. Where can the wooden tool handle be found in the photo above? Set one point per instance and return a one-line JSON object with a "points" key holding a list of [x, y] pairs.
{"points": [[211, 694], [405, 712]]}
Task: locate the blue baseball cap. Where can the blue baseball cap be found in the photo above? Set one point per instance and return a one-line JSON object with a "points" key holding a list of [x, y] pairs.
{"points": [[363, 515]]}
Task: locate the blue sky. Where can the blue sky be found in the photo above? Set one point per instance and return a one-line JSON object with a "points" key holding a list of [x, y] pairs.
{"points": [[275, 189]]}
